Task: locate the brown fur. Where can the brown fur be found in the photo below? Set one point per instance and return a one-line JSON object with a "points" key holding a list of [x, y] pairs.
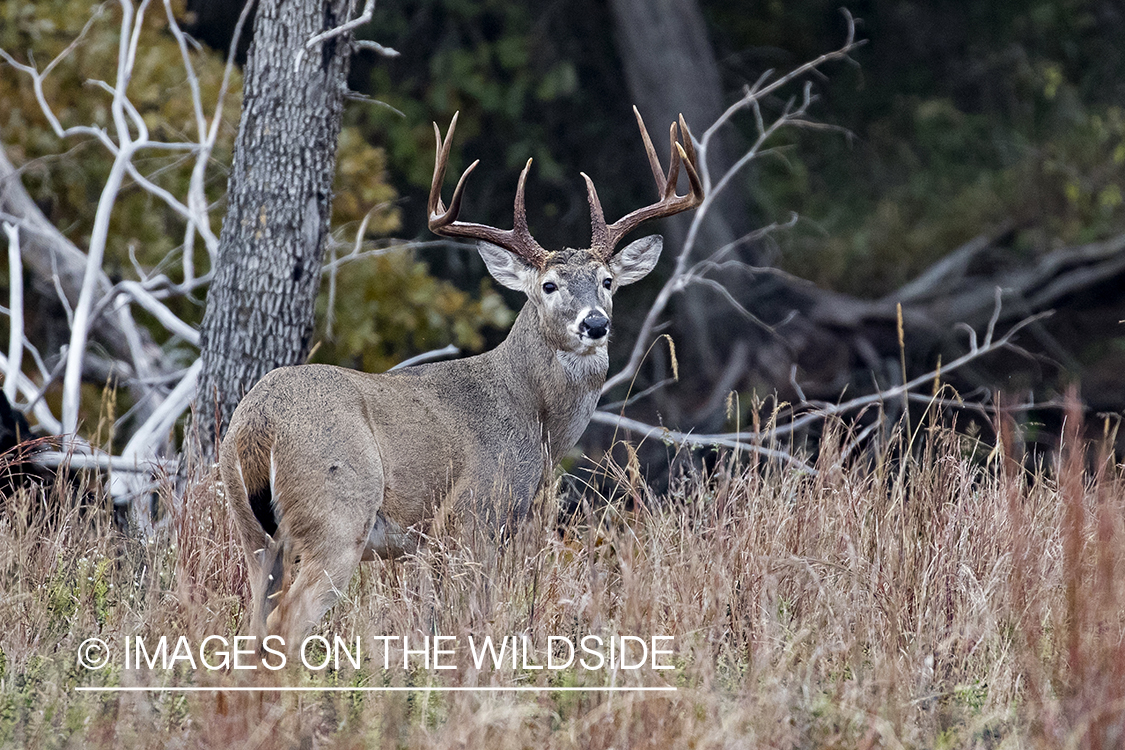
{"points": [[362, 462]]}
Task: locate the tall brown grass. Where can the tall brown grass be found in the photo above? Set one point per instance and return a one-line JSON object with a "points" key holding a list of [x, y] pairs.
{"points": [[950, 599]]}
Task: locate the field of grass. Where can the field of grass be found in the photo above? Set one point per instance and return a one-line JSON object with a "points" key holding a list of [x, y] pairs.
{"points": [[951, 600]]}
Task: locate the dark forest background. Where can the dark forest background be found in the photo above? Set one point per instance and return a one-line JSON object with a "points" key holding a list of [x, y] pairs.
{"points": [[991, 133]]}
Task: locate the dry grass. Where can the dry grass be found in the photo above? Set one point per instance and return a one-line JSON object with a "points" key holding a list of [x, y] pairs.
{"points": [[947, 601]]}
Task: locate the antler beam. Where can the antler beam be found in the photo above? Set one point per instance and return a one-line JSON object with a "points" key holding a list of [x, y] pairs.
{"points": [[443, 221], [604, 238]]}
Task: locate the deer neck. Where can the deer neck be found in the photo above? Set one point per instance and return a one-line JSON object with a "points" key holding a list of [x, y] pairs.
{"points": [[559, 390]]}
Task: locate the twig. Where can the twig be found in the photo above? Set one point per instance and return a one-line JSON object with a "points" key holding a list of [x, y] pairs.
{"points": [[375, 47], [757, 91], [145, 443], [822, 410], [344, 28], [447, 351], [975, 352], [619, 405], [157, 309], [43, 415]]}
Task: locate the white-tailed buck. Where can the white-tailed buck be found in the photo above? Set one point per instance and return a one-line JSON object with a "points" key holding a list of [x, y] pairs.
{"points": [[328, 466]]}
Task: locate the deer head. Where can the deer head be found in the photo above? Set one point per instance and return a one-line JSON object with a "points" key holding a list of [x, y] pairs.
{"points": [[571, 289]]}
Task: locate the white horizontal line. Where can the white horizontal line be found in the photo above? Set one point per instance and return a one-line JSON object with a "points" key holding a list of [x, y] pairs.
{"points": [[339, 689]]}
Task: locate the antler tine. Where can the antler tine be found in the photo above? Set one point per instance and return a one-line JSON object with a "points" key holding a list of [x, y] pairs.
{"points": [[605, 238], [443, 221], [695, 185], [674, 166], [433, 204], [599, 232], [519, 210], [653, 160], [689, 144]]}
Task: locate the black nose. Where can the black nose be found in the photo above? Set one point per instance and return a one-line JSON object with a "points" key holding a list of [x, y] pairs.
{"points": [[595, 325]]}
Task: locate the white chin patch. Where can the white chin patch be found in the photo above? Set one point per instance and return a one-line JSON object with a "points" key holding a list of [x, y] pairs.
{"points": [[582, 366]]}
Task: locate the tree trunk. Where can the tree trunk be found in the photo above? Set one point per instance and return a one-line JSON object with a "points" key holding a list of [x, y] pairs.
{"points": [[259, 313], [671, 69]]}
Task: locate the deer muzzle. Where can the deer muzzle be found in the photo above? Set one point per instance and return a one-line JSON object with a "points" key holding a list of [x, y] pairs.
{"points": [[594, 326]]}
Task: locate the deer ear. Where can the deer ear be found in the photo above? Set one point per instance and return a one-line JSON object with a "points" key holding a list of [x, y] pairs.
{"points": [[636, 260], [506, 267]]}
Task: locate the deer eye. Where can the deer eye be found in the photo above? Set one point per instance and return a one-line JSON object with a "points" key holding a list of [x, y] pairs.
{"points": [[550, 287], [608, 283]]}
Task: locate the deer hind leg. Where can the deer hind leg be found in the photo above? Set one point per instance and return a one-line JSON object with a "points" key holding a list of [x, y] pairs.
{"points": [[326, 519], [244, 466], [319, 584]]}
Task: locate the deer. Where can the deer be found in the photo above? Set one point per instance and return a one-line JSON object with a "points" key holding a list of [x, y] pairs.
{"points": [[325, 467]]}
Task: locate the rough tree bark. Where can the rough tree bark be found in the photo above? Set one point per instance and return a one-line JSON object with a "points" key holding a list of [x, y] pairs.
{"points": [[259, 313]]}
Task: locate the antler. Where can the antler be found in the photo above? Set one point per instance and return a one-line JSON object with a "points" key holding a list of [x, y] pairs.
{"points": [[443, 221], [605, 238]]}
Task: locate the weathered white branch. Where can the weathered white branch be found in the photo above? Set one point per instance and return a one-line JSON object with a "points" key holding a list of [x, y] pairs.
{"points": [[43, 415], [87, 296], [734, 441], [158, 310], [140, 453], [153, 432], [72, 379], [379, 49], [97, 460], [447, 351], [15, 313]]}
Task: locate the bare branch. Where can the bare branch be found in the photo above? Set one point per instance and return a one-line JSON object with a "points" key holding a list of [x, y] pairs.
{"points": [[448, 351], [927, 379], [145, 444], [375, 47], [96, 460], [758, 90], [43, 415], [355, 23], [733, 441], [341, 30], [15, 313]]}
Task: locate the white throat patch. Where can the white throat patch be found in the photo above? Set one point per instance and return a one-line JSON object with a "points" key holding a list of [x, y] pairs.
{"points": [[579, 367]]}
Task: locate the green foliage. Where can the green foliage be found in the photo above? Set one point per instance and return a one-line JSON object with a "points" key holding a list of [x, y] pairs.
{"points": [[480, 58], [964, 118], [387, 308], [390, 307], [539, 82], [66, 177], [361, 186]]}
